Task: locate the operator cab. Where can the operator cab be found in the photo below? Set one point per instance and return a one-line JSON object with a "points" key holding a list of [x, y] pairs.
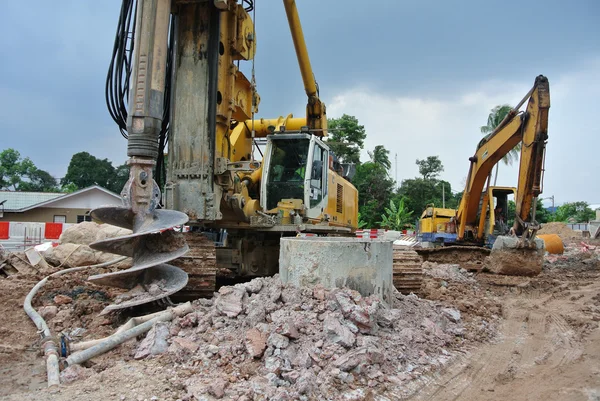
{"points": [[498, 215], [295, 167]]}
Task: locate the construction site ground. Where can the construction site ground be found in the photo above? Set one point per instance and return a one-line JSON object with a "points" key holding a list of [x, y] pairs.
{"points": [[517, 338]]}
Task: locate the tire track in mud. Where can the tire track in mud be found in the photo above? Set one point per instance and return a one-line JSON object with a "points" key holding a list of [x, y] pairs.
{"points": [[532, 337]]}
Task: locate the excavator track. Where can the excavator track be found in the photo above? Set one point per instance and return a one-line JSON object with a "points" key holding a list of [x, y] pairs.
{"points": [[470, 258], [408, 274], [201, 267]]}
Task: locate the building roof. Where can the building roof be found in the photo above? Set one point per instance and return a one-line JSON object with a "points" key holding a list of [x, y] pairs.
{"points": [[19, 200]]}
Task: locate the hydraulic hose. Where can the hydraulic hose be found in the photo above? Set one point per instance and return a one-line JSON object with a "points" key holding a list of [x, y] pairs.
{"points": [[49, 344], [119, 338]]}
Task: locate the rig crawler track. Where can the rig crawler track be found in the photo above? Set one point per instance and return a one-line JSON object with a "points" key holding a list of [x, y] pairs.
{"points": [[408, 274], [201, 267]]}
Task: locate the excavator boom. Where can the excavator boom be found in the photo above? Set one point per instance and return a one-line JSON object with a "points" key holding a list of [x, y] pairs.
{"points": [[530, 128]]}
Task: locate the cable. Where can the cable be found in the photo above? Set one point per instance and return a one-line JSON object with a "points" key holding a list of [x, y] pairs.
{"points": [[249, 5], [119, 74], [160, 173], [119, 70]]}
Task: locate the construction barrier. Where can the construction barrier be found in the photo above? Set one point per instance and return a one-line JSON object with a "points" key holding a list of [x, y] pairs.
{"points": [[53, 230], [4, 230], [381, 233], [20, 235]]}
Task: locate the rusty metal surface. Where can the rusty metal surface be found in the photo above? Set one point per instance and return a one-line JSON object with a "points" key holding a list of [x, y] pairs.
{"points": [[153, 283], [151, 245], [408, 274], [200, 265]]}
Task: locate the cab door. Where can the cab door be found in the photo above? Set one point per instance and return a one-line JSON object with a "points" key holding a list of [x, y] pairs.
{"points": [[315, 183]]}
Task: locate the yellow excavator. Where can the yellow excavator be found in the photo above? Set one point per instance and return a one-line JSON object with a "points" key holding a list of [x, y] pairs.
{"points": [[188, 95], [466, 235]]}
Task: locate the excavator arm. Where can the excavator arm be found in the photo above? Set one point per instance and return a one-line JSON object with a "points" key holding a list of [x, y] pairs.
{"points": [[530, 128], [531, 169]]}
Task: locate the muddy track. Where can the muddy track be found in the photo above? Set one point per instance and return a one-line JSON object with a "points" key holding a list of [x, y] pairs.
{"points": [[537, 353]]}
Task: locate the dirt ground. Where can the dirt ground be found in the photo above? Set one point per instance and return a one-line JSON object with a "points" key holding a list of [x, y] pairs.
{"points": [[548, 347], [526, 339]]}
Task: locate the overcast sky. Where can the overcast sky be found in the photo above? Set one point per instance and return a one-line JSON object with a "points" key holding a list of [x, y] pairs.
{"points": [[420, 75]]}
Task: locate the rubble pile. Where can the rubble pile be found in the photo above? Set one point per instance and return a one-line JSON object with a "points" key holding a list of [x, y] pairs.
{"points": [[452, 285], [560, 229], [577, 254], [265, 339], [73, 249], [448, 272]]}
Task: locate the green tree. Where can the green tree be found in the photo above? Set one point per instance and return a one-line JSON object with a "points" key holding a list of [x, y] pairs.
{"points": [[86, 170], [68, 188], [346, 138], [39, 181], [575, 212], [380, 155], [541, 214], [120, 178], [430, 168], [397, 216], [374, 191], [13, 169], [420, 192], [497, 114]]}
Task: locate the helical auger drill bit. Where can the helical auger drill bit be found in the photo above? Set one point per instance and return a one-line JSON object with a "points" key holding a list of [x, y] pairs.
{"points": [[151, 243]]}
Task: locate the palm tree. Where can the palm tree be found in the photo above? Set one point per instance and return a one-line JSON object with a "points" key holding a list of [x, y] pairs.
{"points": [[497, 114], [380, 155]]}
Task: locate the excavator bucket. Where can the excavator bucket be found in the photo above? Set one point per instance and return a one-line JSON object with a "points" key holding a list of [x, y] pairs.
{"points": [[514, 257]]}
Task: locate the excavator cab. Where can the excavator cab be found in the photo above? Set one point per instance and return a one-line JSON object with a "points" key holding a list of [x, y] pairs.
{"points": [[295, 172], [498, 216]]}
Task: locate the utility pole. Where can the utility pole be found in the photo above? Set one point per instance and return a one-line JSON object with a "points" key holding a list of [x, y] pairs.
{"points": [[396, 173], [443, 195], [551, 197]]}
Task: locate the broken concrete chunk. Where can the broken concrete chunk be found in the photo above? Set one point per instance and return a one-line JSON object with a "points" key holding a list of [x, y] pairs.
{"points": [[62, 299], [155, 342], [452, 314], [74, 373], [230, 301], [217, 388], [256, 313], [291, 376], [289, 330], [256, 343], [48, 312], [254, 286], [278, 341], [363, 355], [273, 364], [338, 333], [182, 343]]}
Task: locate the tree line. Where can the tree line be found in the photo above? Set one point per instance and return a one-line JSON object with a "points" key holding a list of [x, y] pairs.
{"points": [[20, 174], [382, 205], [381, 202]]}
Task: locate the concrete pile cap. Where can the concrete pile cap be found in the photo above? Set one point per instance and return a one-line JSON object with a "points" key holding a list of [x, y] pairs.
{"points": [[361, 264]]}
